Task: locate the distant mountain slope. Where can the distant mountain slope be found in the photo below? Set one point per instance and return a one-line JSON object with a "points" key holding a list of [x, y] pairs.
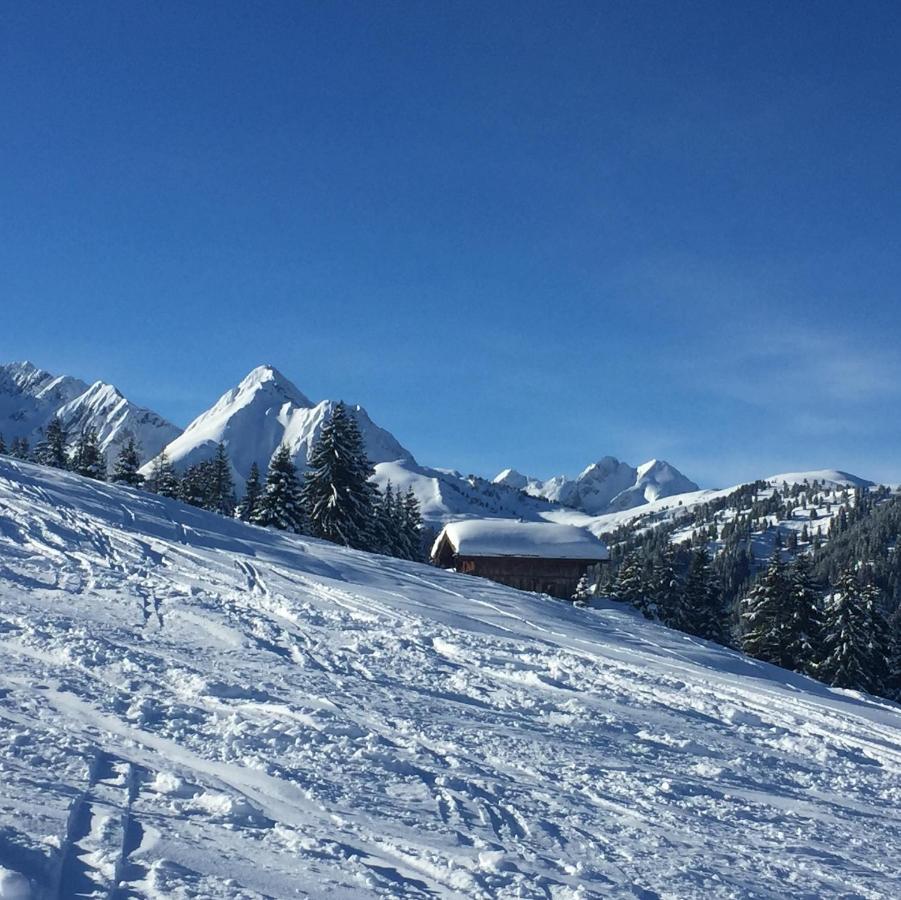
{"points": [[263, 412], [192, 707], [30, 397], [605, 486]]}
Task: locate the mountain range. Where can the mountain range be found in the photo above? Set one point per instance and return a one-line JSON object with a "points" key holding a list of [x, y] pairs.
{"points": [[30, 397], [266, 410]]}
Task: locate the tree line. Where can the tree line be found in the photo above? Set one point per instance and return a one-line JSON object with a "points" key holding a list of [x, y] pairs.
{"points": [[333, 500], [829, 608]]}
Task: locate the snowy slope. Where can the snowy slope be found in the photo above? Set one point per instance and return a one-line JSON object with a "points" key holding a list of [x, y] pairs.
{"points": [[605, 486], [446, 495], [30, 397], [192, 707], [264, 411]]}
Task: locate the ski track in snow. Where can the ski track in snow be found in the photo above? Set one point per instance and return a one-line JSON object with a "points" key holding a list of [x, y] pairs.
{"points": [[191, 707]]}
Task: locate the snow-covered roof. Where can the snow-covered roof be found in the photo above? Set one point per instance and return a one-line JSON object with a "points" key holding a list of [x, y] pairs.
{"points": [[508, 537]]}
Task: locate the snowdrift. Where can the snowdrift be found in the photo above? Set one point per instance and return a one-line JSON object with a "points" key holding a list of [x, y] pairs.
{"points": [[191, 707]]}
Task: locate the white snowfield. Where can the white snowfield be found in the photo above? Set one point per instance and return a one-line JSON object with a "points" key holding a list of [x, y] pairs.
{"points": [[191, 707], [508, 537]]}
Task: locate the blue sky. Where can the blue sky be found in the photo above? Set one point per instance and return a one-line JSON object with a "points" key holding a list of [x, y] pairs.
{"points": [[525, 234]]}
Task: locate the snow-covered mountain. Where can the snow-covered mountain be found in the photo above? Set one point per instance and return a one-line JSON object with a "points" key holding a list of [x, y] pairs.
{"points": [[605, 486], [263, 412], [30, 397], [193, 707]]}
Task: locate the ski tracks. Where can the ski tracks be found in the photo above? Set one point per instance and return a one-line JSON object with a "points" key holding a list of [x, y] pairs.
{"points": [[102, 833]]}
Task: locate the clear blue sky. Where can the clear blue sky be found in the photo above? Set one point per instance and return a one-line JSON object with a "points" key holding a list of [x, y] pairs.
{"points": [[525, 234]]}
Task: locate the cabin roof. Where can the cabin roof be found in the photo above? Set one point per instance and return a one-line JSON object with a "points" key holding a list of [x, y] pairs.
{"points": [[509, 537]]}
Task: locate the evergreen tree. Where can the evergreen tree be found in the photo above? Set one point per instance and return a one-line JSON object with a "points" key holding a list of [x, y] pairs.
{"points": [[412, 527], [584, 590], [386, 524], [247, 508], [86, 457], [281, 505], [764, 616], [893, 666], [337, 496], [20, 449], [220, 495], [803, 629], [630, 585], [847, 662], [700, 611], [2, 445], [163, 480], [194, 485], [51, 451], [665, 588], [127, 464]]}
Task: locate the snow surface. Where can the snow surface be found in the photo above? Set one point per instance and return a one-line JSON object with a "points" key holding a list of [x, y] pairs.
{"points": [[826, 477], [192, 707], [506, 537], [605, 486], [30, 397]]}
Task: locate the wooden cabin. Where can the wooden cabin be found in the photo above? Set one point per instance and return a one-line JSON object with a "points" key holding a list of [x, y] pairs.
{"points": [[533, 556]]}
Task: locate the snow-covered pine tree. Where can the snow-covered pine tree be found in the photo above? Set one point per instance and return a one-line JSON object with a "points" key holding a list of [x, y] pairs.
{"points": [[127, 464], [879, 646], [893, 666], [220, 485], [280, 505], [665, 588], [86, 457], [246, 509], [194, 485], [163, 480], [764, 616], [584, 590], [803, 629], [20, 449], [630, 585], [701, 612], [412, 526], [2, 445], [337, 496], [55, 441], [386, 525], [847, 640]]}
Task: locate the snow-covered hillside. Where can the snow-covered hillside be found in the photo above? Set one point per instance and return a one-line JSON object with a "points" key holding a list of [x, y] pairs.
{"points": [[30, 397], [605, 486], [192, 707]]}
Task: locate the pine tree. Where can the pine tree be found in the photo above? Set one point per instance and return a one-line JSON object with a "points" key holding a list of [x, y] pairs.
{"points": [[893, 665], [247, 508], [337, 496], [51, 451], [700, 612], [665, 588], [584, 590], [630, 586], [385, 525], [127, 464], [879, 645], [2, 445], [847, 659], [194, 485], [281, 505], [803, 629], [163, 480], [20, 449], [764, 616], [87, 459], [412, 527], [220, 496]]}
